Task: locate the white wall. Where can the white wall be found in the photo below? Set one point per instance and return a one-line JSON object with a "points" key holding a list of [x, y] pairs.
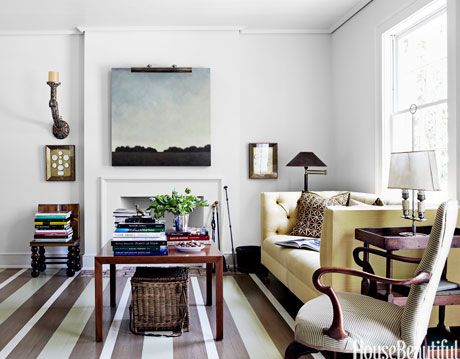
{"points": [[26, 129], [285, 98], [356, 86]]}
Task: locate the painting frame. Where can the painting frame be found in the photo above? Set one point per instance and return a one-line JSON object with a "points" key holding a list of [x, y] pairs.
{"points": [[263, 160], [161, 118], [57, 156]]}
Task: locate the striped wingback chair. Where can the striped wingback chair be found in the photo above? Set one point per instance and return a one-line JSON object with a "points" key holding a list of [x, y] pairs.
{"points": [[348, 322]]}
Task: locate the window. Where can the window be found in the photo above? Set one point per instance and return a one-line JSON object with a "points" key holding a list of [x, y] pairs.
{"points": [[415, 73]]}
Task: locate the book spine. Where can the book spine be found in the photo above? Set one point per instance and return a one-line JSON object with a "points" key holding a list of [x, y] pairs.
{"points": [[51, 223], [40, 218], [142, 225], [143, 253], [121, 230], [139, 249], [138, 243], [139, 235], [188, 238], [62, 227], [54, 233], [42, 236], [52, 239]]}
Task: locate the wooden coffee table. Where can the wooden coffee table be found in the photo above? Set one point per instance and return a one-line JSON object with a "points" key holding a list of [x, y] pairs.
{"points": [[209, 255]]}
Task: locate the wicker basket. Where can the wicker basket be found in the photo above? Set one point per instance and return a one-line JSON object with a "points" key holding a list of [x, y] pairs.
{"points": [[159, 300]]}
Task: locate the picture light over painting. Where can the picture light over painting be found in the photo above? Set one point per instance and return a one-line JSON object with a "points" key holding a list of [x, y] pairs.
{"points": [[150, 68]]}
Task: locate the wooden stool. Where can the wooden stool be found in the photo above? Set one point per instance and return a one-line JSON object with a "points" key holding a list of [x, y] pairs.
{"points": [[72, 259]]}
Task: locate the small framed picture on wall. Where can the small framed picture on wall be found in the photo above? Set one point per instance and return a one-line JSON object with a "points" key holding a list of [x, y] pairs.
{"points": [[60, 162], [263, 160]]}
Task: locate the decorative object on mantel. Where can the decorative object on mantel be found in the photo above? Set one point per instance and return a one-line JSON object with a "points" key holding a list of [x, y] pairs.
{"points": [[263, 160], [305, 160], [180, 205], [414, 170], [60, 162], [61, 128], [161, 116]]}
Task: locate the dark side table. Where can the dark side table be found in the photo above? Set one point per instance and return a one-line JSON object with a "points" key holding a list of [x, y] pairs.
{"points": [[387, 241]]}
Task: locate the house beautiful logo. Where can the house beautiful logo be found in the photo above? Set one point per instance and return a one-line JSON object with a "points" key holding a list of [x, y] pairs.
{"points": [[440, 349]]}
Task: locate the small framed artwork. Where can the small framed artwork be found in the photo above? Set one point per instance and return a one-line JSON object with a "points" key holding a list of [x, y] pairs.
{"points": [[60, 162], [263, 160]]}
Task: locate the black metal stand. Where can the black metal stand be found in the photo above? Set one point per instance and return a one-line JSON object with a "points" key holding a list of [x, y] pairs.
{"points": [[40, 260]]}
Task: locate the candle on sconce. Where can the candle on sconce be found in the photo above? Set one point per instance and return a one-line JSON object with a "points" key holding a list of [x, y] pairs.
{"points": [[53, 76]]}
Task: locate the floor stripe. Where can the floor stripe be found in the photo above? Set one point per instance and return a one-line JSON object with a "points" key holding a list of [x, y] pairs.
{"points": [[23, 332], [276, 304], [161, 346], [256, 339], [19, 297], [115, 327], [208, 337], [13, 277], [66, 335]]}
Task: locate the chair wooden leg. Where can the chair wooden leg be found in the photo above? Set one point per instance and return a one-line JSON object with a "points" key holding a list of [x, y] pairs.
{"points": [[295, 350]]}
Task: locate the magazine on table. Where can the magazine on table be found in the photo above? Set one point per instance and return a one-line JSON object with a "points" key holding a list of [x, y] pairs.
{"points": [[301, 243]]}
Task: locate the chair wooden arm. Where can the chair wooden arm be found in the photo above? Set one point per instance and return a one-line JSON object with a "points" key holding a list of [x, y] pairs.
{"points": [[336, 330]]}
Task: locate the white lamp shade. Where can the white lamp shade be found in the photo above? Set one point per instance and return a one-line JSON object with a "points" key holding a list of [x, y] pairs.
{"points": [[414, 170]]}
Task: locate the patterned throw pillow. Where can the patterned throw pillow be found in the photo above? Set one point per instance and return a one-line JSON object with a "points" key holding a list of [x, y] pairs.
{"points": [[310, 213]]}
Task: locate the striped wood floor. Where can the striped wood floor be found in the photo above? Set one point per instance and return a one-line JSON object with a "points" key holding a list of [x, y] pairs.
{"points": [[52, 317]]}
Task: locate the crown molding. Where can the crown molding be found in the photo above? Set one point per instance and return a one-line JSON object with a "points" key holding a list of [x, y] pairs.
{"points": [[38, 32], [282, 31], [83, 29], [349, 15]]}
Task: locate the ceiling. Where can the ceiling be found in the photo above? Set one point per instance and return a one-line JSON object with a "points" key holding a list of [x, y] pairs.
{"points": [[252, 15]]}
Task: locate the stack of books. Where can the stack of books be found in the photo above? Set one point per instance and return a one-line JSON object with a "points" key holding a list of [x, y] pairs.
{"points": [[139, 236], [53, 227]]}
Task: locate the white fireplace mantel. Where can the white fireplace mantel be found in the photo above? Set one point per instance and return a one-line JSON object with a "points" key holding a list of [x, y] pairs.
{"points": [[115, 187]]}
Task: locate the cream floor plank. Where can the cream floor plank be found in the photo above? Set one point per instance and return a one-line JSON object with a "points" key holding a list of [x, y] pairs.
{"points": [[159, 347], [111, 339], [208, 336], [30, 324], [67, 334], [255, 338], [19, 297]]}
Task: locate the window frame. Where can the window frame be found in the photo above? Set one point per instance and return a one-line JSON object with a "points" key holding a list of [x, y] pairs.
{"points": [[388, 98]]}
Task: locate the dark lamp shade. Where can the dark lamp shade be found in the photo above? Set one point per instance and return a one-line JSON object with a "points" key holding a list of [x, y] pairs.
{"points": [[306, 159]]}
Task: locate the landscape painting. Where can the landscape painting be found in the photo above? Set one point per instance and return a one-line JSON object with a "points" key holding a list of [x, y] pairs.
{"points": [[161, 119]]}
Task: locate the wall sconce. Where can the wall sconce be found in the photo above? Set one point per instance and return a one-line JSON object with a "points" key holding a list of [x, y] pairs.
{"points": [[61, 128]]}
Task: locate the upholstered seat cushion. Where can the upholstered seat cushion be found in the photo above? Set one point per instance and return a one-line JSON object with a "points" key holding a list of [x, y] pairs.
{"points": [[367, 320]]}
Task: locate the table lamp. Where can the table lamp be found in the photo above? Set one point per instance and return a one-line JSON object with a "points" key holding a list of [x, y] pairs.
{"points": [[416, 171], [305, 160]]}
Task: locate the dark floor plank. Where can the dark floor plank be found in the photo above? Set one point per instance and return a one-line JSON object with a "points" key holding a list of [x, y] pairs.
{"points": [[190, 345], [34, 342], [128, 345]]}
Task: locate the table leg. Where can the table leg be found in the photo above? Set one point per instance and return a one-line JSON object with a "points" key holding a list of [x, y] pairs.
{"points": [[208, 284], [389, 274], [98, 299], [219, 299], [113, 285]]}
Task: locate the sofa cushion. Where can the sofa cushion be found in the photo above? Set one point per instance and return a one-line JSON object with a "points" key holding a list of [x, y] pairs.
{"points": [[310, 212]]}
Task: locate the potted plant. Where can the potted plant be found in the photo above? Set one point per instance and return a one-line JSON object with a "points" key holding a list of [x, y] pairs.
{"points": [[180, 205]]}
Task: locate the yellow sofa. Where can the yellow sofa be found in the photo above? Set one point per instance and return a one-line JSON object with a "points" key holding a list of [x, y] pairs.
{"points": [[294, 268]]}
